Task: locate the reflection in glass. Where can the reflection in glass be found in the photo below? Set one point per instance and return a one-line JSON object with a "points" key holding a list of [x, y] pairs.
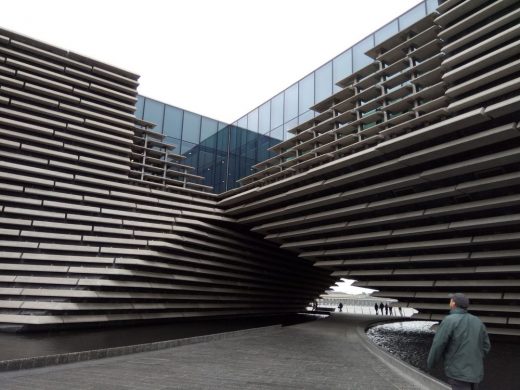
{"points": [[323, 82], [277, 111], [242, 122], [386, 32], [223, 139], [173, 121], [153, 112], [264, 118], [277, 133], [306, 93], [431, 5], [288, 126], [358, 51], [139, 107], [412, 16], [252, 120], [191, 127], [291, 102], [341, 67], [306, 116], [208, 129]]}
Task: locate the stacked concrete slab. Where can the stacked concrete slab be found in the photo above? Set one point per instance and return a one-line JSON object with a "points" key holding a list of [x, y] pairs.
{"points": [[100, 220], [407, 179]]}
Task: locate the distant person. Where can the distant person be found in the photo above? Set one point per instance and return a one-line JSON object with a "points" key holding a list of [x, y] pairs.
{"points": [[462, 342], [377, 308], [386, 308], [400, 311], [390, 310], [314, 306], [381, 307], [340, 306]]}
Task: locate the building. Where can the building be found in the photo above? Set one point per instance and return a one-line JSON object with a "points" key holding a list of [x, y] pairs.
{"points": [[102, 222], [405, 179], [224, 153]]}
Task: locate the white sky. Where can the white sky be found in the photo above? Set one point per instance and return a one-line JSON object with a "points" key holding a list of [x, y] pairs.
{"points": [[219, 58], [345, 285]]}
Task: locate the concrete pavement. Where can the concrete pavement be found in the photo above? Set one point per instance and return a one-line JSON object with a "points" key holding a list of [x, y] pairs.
{"points": [[326, 354]]}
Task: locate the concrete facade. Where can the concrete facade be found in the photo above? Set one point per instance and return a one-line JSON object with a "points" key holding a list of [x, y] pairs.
{"points": [[406, 180], [100, 221]]}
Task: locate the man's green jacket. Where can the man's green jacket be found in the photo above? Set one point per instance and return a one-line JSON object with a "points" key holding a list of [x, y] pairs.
{"points": [[462, 341]]}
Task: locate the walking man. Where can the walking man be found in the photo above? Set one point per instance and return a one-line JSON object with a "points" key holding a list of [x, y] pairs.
{"points": [[462, 341], [377, 308]]}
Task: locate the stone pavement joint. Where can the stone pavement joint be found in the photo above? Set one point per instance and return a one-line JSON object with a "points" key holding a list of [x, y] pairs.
{"points": [[325, 354]]}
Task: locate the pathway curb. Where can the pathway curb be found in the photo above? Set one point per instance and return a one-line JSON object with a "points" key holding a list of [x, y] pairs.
{"points": [[74, 357], [418, 377]]}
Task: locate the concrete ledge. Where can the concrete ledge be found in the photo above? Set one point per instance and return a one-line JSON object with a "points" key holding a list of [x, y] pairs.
{"points": [[73, 357], [416, 376]]}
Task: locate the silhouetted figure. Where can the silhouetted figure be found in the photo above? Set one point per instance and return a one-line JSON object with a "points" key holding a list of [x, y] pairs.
{"points": [[386, 308], [391, 310], [400, 311], [340, 306], [314, 306], [377, 308], [381, 307]]}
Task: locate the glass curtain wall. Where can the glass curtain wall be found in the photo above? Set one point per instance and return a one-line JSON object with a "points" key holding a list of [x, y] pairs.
{"points": [[224, 153], [220, 152], [320, 84]]}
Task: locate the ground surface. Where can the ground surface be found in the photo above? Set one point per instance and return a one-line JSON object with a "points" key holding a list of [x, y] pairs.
{"points": [[323, 354]]}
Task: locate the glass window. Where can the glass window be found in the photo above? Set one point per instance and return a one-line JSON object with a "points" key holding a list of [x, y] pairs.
{"points": [[288, 126], [341, 67], [263, 145], [386, 32], [175, 142], [206, 161], [305, 116], [139, 107], [191, 151], [252, 120], [264, 118], [431, 5], [234, 139], [153, 112], [412, 16], [208, 128], [186, 148], [223, 139], [291, 102], [191, 127], [277, 133], [208, 133], [360, 59], [220, 174], [277, 111], [323, 82], [306, 93], [173, 121], [242, 122], [242, 135], [251, 145]]}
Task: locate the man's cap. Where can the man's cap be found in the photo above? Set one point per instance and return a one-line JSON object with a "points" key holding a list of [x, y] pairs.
{"points": [[460, 300]]}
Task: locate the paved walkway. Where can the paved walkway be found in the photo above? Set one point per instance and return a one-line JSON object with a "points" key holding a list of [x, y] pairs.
{"points": [[323, 354]]}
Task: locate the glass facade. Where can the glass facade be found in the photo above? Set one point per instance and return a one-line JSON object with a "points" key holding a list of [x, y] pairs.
{"points": [[223, 153], [220, 152]]}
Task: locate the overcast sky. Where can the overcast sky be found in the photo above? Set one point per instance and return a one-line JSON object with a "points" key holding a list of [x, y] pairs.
{"points": [[219, 58]]}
